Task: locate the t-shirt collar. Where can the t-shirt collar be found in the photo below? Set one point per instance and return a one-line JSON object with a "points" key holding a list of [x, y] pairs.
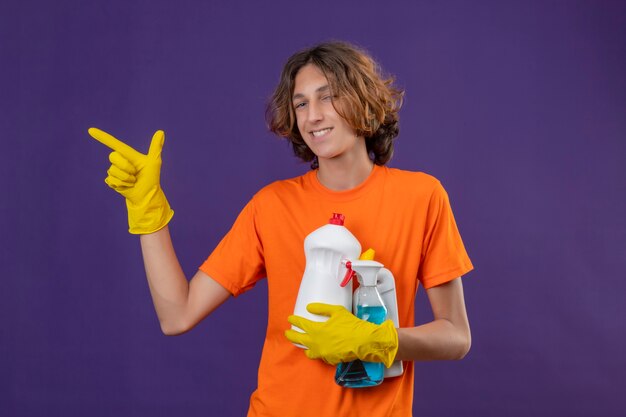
{"points": [[375, 175]]}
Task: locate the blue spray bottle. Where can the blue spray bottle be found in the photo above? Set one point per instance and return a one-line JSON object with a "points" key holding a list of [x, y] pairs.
{"points": [[369, 306]]}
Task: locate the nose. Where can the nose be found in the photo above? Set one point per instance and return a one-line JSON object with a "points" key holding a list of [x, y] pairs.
{"points": [[314, 114]]}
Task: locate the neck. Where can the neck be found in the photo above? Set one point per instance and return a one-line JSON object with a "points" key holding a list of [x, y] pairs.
{"points": [[341, 175]]}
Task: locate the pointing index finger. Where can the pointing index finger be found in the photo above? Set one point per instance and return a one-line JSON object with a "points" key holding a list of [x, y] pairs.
{"points": [[117, 145]]}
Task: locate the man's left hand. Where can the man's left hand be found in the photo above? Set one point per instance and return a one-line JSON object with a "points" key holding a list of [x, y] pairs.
{"points": [[344, 337]]}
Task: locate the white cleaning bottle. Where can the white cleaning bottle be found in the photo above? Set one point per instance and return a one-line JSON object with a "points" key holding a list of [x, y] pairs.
{"points": [[327, 250], [386, 285]]}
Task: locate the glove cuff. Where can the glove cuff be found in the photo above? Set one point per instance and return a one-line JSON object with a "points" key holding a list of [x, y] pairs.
{"points": [[384, 344], [151, 215]]}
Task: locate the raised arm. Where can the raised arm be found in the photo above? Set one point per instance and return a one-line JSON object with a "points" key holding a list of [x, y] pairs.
{"points": [[179, 304]]}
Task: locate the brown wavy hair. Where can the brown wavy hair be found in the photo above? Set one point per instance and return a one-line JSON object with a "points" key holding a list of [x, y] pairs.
{"points": [[369, 100]]}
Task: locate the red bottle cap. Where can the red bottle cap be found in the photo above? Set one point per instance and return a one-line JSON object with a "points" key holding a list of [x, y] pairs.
{"points": [[337, 219]]}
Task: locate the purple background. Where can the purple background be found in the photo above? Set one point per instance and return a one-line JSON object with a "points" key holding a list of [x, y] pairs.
{"points": [[517, 107]]}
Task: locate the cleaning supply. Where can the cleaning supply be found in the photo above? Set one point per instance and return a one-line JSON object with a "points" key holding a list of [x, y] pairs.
{"points": [[136, 176], [357, 374], [368, 306], [386, 285], [323, 322], [327, 250]]}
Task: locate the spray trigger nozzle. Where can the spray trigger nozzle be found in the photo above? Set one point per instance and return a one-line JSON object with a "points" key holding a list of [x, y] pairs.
{"points": [[349, 274]]}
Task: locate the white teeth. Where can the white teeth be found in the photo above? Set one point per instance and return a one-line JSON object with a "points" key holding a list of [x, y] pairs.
{"points": [[320, 132]]}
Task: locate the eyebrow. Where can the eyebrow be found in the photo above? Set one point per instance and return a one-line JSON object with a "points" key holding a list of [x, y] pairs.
{"points": [[319, 90]]}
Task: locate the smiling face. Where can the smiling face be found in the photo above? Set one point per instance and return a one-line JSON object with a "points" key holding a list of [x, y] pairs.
{"points": [[325, 132]]}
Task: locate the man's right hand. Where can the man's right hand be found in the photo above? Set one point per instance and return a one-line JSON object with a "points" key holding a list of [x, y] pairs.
{"points": [[136, 176]]}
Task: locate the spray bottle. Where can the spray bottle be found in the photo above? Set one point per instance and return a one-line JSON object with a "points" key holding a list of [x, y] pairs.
{"points": [[371, 305]]}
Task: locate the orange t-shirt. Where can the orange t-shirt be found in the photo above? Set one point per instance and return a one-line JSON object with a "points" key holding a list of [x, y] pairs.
{"points": [[404, 216]]}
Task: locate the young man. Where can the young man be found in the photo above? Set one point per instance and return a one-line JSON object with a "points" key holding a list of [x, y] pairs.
{"points": [[340, 114]]}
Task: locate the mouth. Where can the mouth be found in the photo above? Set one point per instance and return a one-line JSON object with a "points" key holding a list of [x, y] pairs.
{"points": [[321, 132]]}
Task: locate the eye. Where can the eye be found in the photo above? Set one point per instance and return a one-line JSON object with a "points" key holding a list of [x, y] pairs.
{"points": [[299, 105], [327, 98]]}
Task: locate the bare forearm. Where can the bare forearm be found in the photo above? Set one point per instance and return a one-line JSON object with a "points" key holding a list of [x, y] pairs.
{"points": [[179, 304], [437, 340], [168, 285], [448, 336]]}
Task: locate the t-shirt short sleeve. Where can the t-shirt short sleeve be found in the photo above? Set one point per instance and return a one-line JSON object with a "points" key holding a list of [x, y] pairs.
{"points": [[443, 256], [237, 262]]}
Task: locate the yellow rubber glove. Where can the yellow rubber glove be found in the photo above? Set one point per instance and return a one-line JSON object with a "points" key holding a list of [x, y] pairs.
{"points": [[344, 337], [137, 177]]}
